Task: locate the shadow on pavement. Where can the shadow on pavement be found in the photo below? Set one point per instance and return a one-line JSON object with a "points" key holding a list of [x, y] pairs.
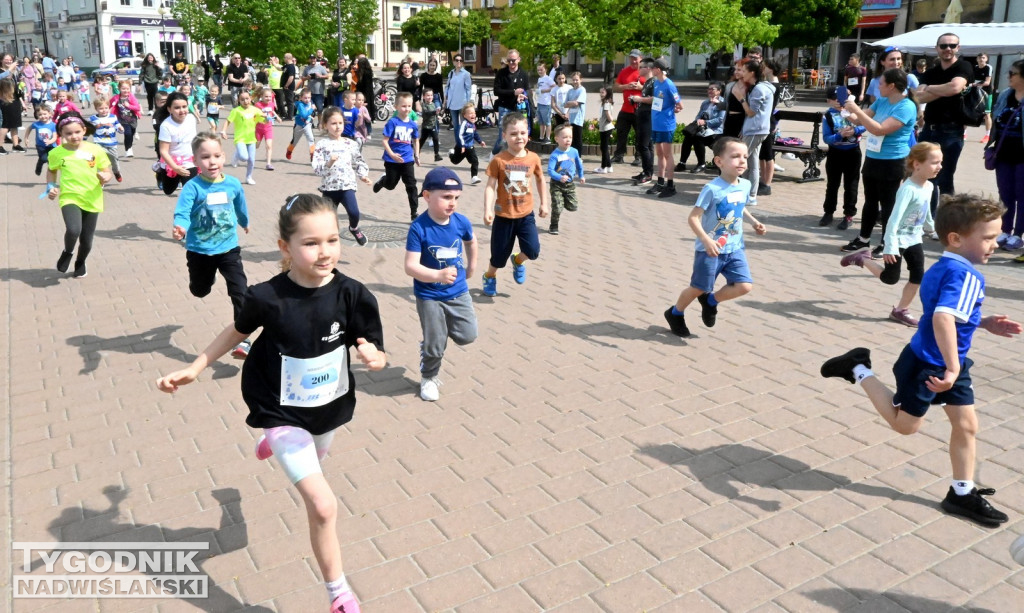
{"points": [[722, 467], [231, 535], [886, 601], [612, 330], [156, 340], [33, 277], [811, 310], [132, 231]]}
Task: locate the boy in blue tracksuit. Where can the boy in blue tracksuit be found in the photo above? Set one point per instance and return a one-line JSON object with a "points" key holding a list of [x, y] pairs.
{"points": [[842, 163], [564, 168], [466, 139]]}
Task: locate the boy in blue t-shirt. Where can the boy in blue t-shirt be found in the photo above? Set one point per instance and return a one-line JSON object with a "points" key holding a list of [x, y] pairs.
{"points": [[46, 136], [564, 167], [350, 113], [934, 368], [717, 220], [401, 152], [842, 164], [665, 103], [107, 127], [440, 253]]}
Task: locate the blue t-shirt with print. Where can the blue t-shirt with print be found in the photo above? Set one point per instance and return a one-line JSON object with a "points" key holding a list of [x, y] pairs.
{"points": [[44, 132], [350, 115], [563, 163], [954, 286], [663, 107], [106, 130], [723, 206], [895, 146], [209, 213], [400, 135], [440, 246]]}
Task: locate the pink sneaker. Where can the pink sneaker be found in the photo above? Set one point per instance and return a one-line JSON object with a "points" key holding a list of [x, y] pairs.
{"points": [[346, 603], [263, 450], [903, 316], [856, 258]]}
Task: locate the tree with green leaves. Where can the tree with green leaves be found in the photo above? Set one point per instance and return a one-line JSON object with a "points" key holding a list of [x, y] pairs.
{"points": [[807, 23], [539, 28], [436, 29], [359, 20]]}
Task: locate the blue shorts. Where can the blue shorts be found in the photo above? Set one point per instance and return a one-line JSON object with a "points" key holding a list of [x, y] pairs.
{"points": [[662, 137], [914, 398], [544, 114], [505, 231], [733, 266]]}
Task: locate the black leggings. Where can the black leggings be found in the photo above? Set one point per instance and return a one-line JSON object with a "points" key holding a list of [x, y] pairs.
{"points": [[406, 173], [151, 95], [169, 184], [462, 153], [347, 199], [80, 226], [914, 256], [129, 135], [426, 133], [882, 180], [606, 144]]}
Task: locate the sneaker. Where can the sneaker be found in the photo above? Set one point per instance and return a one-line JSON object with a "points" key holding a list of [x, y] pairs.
{"points": [[600, 170], [80, 271], [378, 184], [609, 169], [903, 316], [984, 139], [826, 220], [518, 270], [437, 157], [699, 169], [553, 229], [668, 191], [764, 190], [119, 178], [635, 162], [428, 389], [708, 313], [677, 323], [855, 245], [250, 181], [1001, 239], [18, 148], [844, 223], [637, 177], [263, 450], [1019, 259], [680, 167], [779, 168], [129, 153], [241, 350], [644, 180], [64, 261], [842, 366], [654, 189], [973, 506], [346, 603], [933, 235], [617, 159], [288, 154], [857, 258], [3, 151], [270, 167], [876, 253], [1014, 243], [786, 156], [490, 286], [474, 181], [358, 235]]}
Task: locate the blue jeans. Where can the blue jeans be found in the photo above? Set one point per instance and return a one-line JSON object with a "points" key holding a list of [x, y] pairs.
{"points": [[499, 142], [950, 138]]}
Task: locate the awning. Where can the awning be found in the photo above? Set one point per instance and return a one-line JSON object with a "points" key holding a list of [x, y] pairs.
{"points": [[975, 38], [875, 21]]}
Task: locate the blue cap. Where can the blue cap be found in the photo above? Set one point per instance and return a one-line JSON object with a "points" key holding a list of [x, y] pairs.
{"points": [[441, 178]]}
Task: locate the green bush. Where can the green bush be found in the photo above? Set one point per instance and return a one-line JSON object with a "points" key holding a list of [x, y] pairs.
{"points": [[591, 135]]}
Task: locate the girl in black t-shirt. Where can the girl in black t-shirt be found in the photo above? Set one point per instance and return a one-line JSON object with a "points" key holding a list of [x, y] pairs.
{"points": [[296, 381]]}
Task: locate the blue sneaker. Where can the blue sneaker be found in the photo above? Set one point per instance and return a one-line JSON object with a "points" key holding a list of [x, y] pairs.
{"points": [[490, 286], [518, 270]]}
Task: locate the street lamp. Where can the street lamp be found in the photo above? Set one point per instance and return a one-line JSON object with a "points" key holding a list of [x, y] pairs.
{"points": [[164, 11], [460, 15]]}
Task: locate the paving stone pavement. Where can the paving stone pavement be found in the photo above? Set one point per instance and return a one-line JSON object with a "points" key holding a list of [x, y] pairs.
{"points": [[580, 458]]}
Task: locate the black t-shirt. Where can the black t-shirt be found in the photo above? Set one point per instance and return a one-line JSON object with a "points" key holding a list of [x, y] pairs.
{"points": [[980, 74], [180, 65], [433, 81], [643, 109], [288, 77], [239, 72], [946, 109], [734, 114], [307, 333]]}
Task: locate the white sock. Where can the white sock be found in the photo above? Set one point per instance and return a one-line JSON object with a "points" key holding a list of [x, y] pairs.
{"points": [[962, 488], [337, 587], [861, 372]]}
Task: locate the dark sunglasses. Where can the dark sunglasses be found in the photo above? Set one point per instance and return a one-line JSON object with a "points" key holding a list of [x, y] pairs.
{"points": [[1014, 73], [948, 45], [513, 61], [889, 50], [458, 59]]}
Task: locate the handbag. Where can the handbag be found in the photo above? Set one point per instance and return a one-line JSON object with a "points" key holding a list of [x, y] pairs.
{"points": [[992, 152], [692, 129]]}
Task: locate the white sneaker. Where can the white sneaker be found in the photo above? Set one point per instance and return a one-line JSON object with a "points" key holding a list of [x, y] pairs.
{"points": [[129, 153], [609, 169], [428, 389], [250, 181], [779, 168], [474, 181], [600, 171], [788, 156]]}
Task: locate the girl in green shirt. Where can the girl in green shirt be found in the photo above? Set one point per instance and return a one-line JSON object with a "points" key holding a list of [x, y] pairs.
{"points": [[244, 118]]}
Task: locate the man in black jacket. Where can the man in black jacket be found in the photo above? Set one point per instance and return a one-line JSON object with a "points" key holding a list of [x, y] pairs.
{"points": [[511, 86]]}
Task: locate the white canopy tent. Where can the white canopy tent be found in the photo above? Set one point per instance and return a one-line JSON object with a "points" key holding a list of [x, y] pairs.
{"points": [[975, 38]]}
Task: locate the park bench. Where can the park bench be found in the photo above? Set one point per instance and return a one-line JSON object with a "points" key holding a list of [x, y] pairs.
{"points": [[809, 153]]}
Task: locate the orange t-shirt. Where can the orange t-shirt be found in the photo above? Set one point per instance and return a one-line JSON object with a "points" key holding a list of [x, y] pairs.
{"points": [[515, 195]]}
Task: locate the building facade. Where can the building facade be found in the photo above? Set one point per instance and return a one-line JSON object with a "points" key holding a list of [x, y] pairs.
{"points": [[386, 48], [58, 27], [137, 27]]}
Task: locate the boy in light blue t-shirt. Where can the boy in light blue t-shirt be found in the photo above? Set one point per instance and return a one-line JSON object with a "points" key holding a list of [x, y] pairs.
{"points": [[717, 220], [564, 168]]}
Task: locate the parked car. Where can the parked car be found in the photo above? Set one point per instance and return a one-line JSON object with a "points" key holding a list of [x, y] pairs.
{"points": [[126, 67]]}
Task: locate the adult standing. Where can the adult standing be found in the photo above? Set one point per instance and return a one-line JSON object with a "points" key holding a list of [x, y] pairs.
{"points": [[1008, 141], [67, 72], [274, 73], [940, 90], [630, 84], [983, 78], [458, 92], [8, 69], [889, 124], [891, 57], [235, 74], [49, 65], [364, 85], [433, 79], [755, 96], [179, 67], [339, 81], [315, 77], [150, 74], [642, 105], [288, 77], [406, 81], [855, 77], [199, 70], [217, 71], [321, 59], [511, 85]]}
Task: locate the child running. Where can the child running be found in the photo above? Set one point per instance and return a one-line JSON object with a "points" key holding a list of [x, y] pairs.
{"points": [[128, 111], [213, 108], [440, 254], [363, 122], [337, 161], [304, 110], [903, 233], [401, 152], [350, 113], [564, 167], [934, 368], [465, 142], [46, 136], [265, 129], [106, 128], [297, 381], [244, 118], [717, 221], [209, 208], [84, 169], [428, 127], [177, 129], [508, 203]]}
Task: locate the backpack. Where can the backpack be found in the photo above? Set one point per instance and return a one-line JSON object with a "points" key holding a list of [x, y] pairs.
{"points": [[973, 102]]}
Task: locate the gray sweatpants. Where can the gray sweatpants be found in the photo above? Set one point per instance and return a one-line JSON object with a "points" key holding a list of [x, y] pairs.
{"points": [[441, 320], [753, 173]]}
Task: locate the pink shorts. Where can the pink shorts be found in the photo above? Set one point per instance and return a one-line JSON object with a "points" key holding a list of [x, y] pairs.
{"points": [[264, 131]]}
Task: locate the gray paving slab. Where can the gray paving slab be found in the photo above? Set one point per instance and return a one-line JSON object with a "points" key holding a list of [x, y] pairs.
{"points": [[580, 458]]}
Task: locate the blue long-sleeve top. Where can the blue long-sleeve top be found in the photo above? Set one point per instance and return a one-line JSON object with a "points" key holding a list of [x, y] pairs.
{"points": [[303, 112], [566, 162], [209, 212], [468, 134], [713, 114], [830, 131]]}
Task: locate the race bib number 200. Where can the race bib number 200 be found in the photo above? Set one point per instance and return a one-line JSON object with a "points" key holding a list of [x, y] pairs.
{"points": [[314, 382]]}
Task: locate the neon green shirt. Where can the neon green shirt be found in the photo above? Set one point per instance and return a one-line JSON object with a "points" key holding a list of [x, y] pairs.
{"points": [[245, 120], [77, 178]]}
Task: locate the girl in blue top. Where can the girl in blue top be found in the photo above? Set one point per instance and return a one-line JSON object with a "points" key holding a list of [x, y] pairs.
{"points": [[888, 125]]}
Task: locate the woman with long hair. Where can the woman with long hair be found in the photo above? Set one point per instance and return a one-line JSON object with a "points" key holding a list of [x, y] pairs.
{"points": [[150, 73]]}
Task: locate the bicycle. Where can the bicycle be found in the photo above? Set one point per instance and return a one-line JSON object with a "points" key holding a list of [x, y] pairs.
{"points": [[786, 96], [384, 95]]}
